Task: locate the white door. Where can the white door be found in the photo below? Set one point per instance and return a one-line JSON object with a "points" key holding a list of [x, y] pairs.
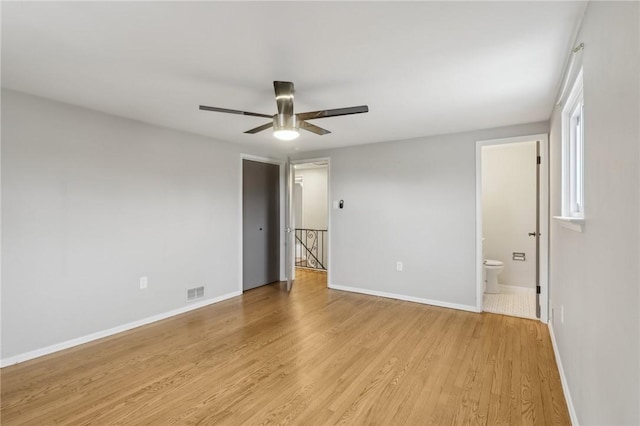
{"points": [[537, 231], [289, 226]]}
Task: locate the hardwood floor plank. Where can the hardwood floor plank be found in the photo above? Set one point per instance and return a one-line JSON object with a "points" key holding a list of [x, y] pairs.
{"points": [[516, 402], [554, 403], [312, 357]]}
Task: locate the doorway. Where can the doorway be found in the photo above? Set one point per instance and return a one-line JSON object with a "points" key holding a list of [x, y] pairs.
{"points": [[512, 223], [261, 223], [311, 215]]}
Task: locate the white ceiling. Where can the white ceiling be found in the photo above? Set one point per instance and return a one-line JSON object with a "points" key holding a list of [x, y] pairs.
{"points": [[422, 68]]}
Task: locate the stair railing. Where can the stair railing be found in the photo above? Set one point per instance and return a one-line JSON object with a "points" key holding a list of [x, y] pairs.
{"points": [[310, 245]]}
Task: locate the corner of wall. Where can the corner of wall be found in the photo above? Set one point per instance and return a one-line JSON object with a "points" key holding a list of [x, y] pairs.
{"points": [[563, 378]]}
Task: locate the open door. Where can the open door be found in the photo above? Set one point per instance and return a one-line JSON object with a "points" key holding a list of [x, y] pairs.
{"points": [[537, 232], [289, 235]]}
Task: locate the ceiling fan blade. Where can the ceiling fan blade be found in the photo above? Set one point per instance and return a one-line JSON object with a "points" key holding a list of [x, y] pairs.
{"points": [[313, 128], [332, 112], [234, 111], [284, 96], [260, 128]]}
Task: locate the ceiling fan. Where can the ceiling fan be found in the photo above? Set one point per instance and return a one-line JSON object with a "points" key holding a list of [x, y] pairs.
{"points": [[285, 123]]}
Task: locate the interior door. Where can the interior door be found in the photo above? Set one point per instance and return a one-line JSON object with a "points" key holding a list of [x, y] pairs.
{"points": [[537, 232], [289, 226], [260, 224]]}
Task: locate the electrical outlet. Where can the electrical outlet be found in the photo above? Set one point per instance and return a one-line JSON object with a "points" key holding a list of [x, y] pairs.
{"points": [[399, 266], [144, 281], [561, 314]]}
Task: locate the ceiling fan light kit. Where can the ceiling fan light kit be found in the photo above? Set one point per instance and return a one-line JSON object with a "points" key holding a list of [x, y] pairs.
{"points": [[285, 127], [285, 123], [286, 135]]}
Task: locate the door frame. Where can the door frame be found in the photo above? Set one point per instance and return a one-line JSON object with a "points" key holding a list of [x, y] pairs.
{"points": [[328, 160], [543, 212], [282, 188]]}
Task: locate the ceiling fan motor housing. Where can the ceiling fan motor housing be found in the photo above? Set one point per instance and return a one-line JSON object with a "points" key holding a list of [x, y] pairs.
{"points": [[285, 122]]}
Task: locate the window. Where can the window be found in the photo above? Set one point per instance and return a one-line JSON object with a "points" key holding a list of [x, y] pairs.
{"points": [[573, 153]]}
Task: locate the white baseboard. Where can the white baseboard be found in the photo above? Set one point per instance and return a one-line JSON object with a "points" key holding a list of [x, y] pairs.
{"points": [[516, 289], [111, 331], [405, 298], [563, 378]]}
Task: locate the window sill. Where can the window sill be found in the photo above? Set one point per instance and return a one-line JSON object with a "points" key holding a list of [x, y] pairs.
{"points": [[573, 223]]}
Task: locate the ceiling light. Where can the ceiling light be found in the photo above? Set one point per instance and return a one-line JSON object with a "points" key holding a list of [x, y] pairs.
{"points": [[285, 127], [286, 134]]}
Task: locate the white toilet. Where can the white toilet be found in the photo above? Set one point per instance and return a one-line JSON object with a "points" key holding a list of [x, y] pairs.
{"points": [[491, 270]]}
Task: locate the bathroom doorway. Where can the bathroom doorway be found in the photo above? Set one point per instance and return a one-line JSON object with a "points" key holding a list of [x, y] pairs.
{"points": [[512, 217], [311, 215]]}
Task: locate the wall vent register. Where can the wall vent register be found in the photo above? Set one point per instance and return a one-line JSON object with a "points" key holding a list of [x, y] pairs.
{"points": [[195, 293]]}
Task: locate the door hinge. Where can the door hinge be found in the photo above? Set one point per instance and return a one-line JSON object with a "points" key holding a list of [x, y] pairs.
{"points": [[539, 160], [537, 289]]}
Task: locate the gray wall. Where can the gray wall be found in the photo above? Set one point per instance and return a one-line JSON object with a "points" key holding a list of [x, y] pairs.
{"points": [[92, 202], [411, 201], [594, 275]]}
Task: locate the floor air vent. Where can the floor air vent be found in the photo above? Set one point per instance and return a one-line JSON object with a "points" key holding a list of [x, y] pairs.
{"points": [[195, 293]]}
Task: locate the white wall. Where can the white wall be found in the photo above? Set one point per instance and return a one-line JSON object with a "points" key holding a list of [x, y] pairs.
{"points": [[92, 202], [509, 209], [314, 198], [297, 204], [594, 275], [411, 201]]}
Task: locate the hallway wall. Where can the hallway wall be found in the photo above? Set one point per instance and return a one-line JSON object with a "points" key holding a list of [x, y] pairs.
{"points": [[314, 197]]}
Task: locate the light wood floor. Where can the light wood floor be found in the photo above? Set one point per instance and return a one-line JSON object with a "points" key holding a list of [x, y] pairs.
{"points": [[316, 356]]}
